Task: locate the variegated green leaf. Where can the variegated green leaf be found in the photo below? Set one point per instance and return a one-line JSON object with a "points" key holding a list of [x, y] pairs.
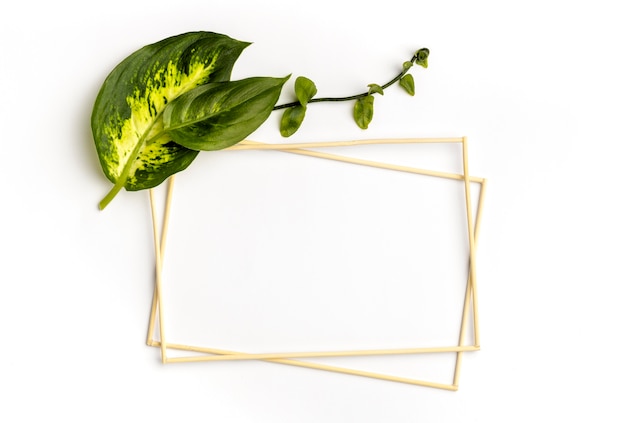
{"points": [[219, 115], [126, 120]]}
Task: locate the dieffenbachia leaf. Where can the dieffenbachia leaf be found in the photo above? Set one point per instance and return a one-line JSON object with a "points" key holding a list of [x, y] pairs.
{"points": [[218, 115], [126, 120], [408, 83], [291, 120], [305, 90], [364, 111]]}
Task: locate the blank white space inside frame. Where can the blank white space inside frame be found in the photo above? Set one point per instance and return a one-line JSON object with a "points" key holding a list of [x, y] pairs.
{"points": [[269, 252]]}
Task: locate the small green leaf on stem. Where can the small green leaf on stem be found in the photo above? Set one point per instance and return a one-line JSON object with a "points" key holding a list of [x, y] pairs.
{"points": [[408, 84], [422, 57], [375, 88], [291, 120], [305, 90], [407, 65], [364, 111]]}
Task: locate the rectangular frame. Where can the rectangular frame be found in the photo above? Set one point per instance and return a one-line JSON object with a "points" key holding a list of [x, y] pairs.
{"points": [[470, 301]]}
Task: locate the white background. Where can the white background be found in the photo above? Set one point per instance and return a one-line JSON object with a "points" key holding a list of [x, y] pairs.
{"points": [[537, 86]]}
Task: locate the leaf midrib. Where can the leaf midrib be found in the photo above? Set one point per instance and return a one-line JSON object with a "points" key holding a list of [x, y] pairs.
{"points": [[132, 158]]}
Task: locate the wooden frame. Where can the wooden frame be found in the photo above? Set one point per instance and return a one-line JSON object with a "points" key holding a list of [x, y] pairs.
{"points": [[470, 306]]}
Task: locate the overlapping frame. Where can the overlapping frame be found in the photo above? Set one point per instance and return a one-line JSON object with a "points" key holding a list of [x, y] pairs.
{"points": [[470, 304]]}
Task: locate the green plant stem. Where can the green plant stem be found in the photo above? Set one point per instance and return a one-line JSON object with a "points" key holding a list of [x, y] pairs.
{"points": [[352, 97]]}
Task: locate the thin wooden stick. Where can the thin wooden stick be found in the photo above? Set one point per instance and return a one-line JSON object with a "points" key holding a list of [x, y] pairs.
{"points": [[475, 319], [159, 267], [479, 213], [314, 354], [468, 290], [152, 320], [370, 163], [463, 330], [253, 145], [164, 230], [470, 231], [325, 367]]}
